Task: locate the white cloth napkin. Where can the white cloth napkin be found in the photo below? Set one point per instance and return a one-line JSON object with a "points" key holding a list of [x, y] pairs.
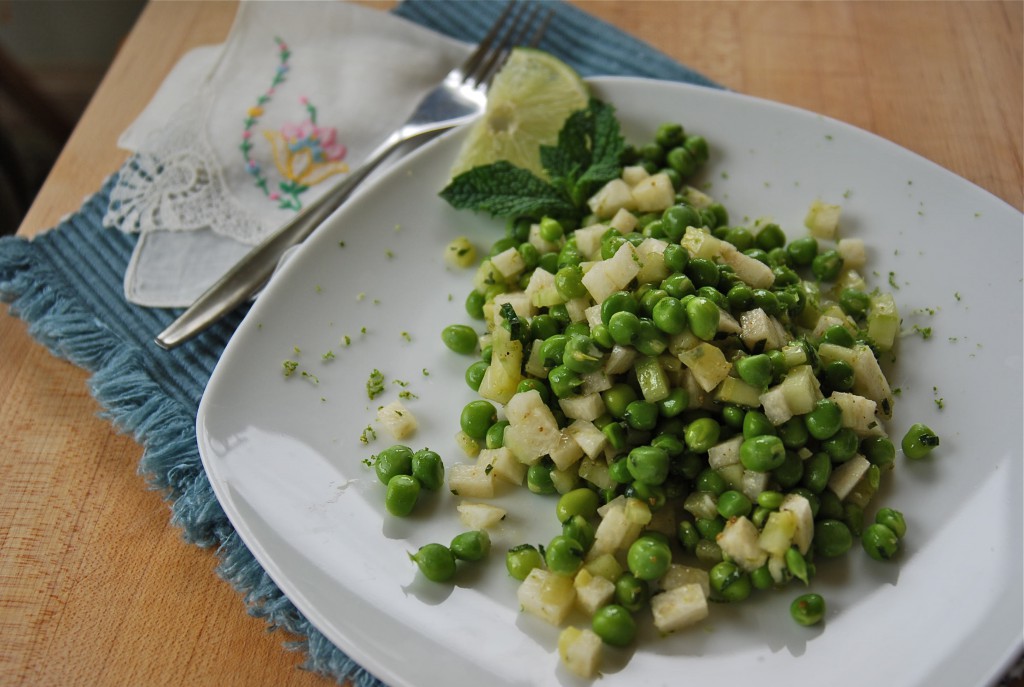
{"points": [[240, 136]]}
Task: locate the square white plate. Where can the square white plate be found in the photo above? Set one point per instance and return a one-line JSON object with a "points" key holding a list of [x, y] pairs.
{"points": [[286, 461]]}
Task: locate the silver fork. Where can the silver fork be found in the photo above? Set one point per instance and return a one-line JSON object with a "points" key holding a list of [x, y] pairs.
{"points": [[460, 97]]}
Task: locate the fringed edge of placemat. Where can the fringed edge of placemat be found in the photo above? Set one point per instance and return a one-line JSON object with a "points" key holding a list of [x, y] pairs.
{"points": [[164, 427]]}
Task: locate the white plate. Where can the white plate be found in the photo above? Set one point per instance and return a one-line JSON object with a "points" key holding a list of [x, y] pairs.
{"points": [[286, 462]]}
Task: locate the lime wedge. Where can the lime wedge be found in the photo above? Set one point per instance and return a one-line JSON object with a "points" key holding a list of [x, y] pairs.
{"points": [[527, 104]]}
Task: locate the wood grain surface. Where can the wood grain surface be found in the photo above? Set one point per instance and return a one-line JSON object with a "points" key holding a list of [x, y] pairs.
{"points": [[96, 588]]}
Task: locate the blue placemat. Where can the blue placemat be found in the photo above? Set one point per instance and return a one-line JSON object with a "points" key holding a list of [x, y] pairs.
{"points": [[67, 284]]}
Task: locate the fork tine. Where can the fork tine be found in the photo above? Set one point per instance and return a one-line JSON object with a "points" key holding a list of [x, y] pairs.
{"points": [[514, 36], [473, 62]]}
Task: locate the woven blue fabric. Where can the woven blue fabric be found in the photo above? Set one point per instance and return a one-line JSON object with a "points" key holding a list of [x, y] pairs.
{"points": [[67, 284]]}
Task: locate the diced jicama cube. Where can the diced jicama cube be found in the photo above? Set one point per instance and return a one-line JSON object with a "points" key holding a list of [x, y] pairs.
{"points": [[580, 651], [610, 198], [533, 431], [739, 541], [753, 483], [679, 608], [468, 444], [653, 194], [883, 321], [535, 361], [480, 516], [801, 389], [869, 380], [592, 591], [773, 403], [624, 221], [615, 531], [679, 574], [605, 565], [588, 240], [509, 262], [577, 308], [595, 472], [735, 391], [858, 413], [696, 197], [503, 463], [777, 535], [547, 595], [652, 260], [699, 243], [725, 453], [823, 220], [520, 302], [541, 289], [504, 373], [567, 452], [471, 481], [540, 243], [852, 252], [800, 507], [608, 276], [727, 323], [588, 407], [846, 475], [751, 270], [758, 329], [708, 365], [619, 359], [634, 174], [397, 419], [595, 382], [588, 436]]}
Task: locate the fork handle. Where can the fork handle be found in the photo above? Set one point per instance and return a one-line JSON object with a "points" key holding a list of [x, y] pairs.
{"points": [[251, 273]]}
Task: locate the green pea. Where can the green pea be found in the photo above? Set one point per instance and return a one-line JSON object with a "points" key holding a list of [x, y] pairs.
{"points": [[733, 504], [802, 250], [616, 434], [631, 592], [576, 329], [879, 450], [703, 272], [648, 464], [617, 399], [477, 417], [394, 460], [817, 471], [880, 542], [435, 561], [641, 415], [788, 474], [529, 253], [678, 286], [520, 560], [839, 375], [893, 519], [854, 302], [777, 257], [762, 453], [853, 516], [808, 609], [682, 161], [563, 381], [698, 147], [623, 327], [532, 384], [709, 480], [770, 499], [579, 528], [582, 355], [675, 257], [740, 297], [564, 555], [729, 582], [761, 578], [428, 469], [841, 446], [793, 433], [740, 237], [486, 353], [824, 420], [569, 282], [770, 236], [620, 301], [650, 298], [669, 315], [829, 506], [569, 255], [473, 545], [838, 335], [649, 339], [796, 564], [580, 501], [538, 479], [919, 441], [756, 423], [702, 434], [832, 538], [767, 301], [475, 374], [553, 348], [648, 558], [675, 403], [784, 276], [475, 305], [550, 229], [401, 495], [669, 135], [614, 625], [827, 265], [460, 338]]}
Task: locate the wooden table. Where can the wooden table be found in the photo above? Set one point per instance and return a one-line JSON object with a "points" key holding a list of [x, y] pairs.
{"points": [[97, 588]]}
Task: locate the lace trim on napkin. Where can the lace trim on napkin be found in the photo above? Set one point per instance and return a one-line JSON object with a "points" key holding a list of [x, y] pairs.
{"points": [[173, 183]]}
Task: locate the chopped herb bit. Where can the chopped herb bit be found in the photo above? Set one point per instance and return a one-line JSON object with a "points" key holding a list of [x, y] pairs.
{"points": [[290, 367], [341, 244], [362, 330], [366, 437], [319, 289], [925, 332], [828, 137], [311, 377], [725, 175], [376, 301], [389, 253], [892, 281], [297, 350], [361, 296], [515, 325], [375, 384], [398, 227], [956, 295], [426, 372], [406, 394], [346, 340], [400, 382], [488, 468], [329, 355]]}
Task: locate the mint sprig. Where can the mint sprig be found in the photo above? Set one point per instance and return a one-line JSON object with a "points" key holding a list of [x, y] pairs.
{"points": [[588, 155]]}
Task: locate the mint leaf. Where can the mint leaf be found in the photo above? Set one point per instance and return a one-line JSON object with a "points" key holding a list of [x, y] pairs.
{"points": [[504, 190]]}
